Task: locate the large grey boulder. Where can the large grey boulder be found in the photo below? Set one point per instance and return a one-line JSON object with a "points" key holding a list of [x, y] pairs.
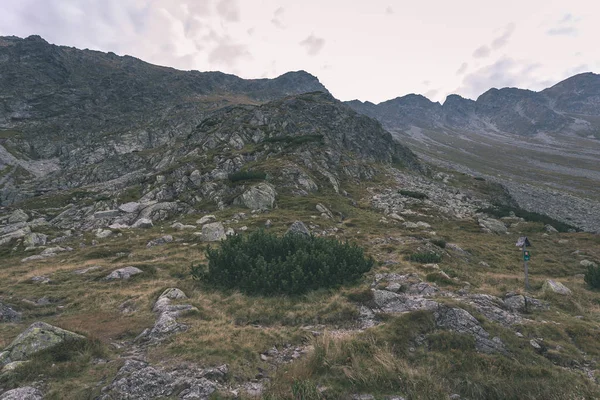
{"points": [[23, 393], [131, 207], [556, 287], [18, 216], [35, 239], [490, 225], [298, 228], [213, 232], [39, 336], [259, 197], [123, 273], [7, 314], [160, 211]]}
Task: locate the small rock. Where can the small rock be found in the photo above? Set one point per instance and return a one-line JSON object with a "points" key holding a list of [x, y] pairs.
{"points": [[123, 273], [130, 208], [556, 287], [86, 270], [7, 314], [160, 241], [40, 279], [213, 232], [550, 229], [298, 227], [206, 219], [143, 223], [103, 233], [396, 217], [180, 227], [268, 224]]}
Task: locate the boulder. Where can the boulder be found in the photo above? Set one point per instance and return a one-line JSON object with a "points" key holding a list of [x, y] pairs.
{"points": [[18, 234], [108, 214], [123, 273], [550, 229], [556, 287], [206, 219], [103, 233], [35, 239], [18, 216], [23, 393], [396, 217], [180, 227], [130, 208], [161, 211], [324, 211], [143, 223], [259, 197], [7, 314], [299, 228], [587, 263], [39, 336], [213, 232], [490, 225], [160, 241]]}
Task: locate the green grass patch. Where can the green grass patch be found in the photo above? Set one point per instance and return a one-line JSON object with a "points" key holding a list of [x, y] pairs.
{"points": [[247, 176], [413, 194], [426, 258]]}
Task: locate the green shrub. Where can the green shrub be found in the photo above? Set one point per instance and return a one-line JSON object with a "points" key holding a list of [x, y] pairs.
{"points": [[247, 176], [500, 211], [441, 243], [305, 390], [263, 263], [592, 276], [414, 195], [426, 258]]}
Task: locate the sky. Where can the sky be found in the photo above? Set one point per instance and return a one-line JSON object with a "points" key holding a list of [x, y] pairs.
{"points": [[368, 50]]}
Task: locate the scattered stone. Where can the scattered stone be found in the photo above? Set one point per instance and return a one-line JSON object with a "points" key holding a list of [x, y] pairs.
{"points": [[556, 287], [206, 219], [230, 232], [490, 225], [396, 217], [160, 241], [143, 223], [180, 227], [484, 264], [268, 224], [298, 227], [123, 273], [130, 208], [24, 393], [588, 263], [86, 270], [534, 343], [103, 233], [37, 337], [40, 279], [213, 232], [410, 225], [7, 314], [423, 225], [550, 229]]}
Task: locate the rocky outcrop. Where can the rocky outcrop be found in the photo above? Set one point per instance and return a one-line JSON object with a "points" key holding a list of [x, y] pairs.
{"points": [[213, 232], [39, 336], [139, 380], [23, 393], [298, 228], [166, 323], [556, 287]]}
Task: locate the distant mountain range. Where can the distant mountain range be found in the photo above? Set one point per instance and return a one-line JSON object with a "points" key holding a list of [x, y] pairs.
{"points": [[572, 105]]}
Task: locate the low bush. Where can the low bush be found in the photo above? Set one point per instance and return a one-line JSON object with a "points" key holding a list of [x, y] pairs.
{"points": [[413, 194], [426, 258], [441, 243], [263, 263], [247, 176], [592, 277], [500, 211]]}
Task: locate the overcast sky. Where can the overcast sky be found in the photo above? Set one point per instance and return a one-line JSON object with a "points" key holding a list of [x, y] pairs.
{"points": [[369, 50]]}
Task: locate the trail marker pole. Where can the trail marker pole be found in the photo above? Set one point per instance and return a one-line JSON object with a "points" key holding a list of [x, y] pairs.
{"points": [[523, 242]]}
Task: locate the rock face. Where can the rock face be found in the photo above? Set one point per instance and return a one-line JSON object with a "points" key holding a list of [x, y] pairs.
{"points": [[37, 337], [138, 380], [556, 287], [7, 314], [123, 273], [259, 197], [24, 393]]}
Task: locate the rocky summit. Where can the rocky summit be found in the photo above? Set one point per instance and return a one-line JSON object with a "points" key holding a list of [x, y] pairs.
{"points": [[194, 235]]}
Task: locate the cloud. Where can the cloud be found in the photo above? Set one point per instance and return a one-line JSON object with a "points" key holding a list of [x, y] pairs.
{"points": [[426, 82], [482, 52], [566, 26], [313, 44], [462, 69], [502, 40], [229, 10], [430, 94], [506, 72], [277, 15], [389, 10]]}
